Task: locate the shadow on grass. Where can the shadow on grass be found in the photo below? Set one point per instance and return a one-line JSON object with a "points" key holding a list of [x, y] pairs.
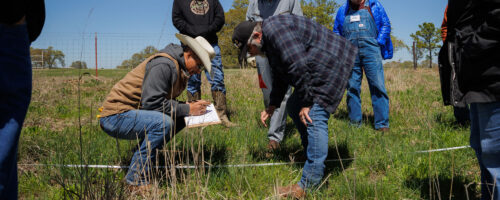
{"points": [[343, 114], [461, 188], [92, 184], [441, 119], [214, 155], [193, 159], [231, 112], [206, 155], [295, 153]]}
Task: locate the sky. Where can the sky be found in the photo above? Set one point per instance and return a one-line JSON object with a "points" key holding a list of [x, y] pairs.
{"points": [[124, 27]]}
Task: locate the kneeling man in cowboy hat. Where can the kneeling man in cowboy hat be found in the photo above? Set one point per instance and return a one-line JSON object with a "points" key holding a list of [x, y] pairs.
{"points": [[142, 106], [317, 63]]}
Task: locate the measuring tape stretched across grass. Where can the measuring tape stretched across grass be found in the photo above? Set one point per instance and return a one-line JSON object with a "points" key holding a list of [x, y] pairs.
{"points": [[221, 166]]}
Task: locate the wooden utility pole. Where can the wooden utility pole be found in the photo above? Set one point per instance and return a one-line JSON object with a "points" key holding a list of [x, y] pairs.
{"points": [[96, 55], [414, 55]]}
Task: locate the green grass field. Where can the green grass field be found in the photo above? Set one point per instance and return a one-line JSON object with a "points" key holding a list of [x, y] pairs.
{"points": [[61, 128]]}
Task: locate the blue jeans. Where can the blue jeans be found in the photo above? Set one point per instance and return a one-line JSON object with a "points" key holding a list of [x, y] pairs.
{"points": [[485, 140], [368, 60], [314, 140], [15, 96], [217, 83], [152, 128]]}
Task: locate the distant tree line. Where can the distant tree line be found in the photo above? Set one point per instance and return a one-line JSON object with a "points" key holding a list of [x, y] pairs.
{"points": [[78, 65], [137, 58], [47, 58]]}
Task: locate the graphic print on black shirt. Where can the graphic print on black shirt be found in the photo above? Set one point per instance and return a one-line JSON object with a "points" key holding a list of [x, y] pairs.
{"points": [[199, 7]]}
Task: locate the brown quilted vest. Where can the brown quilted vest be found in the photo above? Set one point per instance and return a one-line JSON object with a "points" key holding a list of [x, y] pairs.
{"points": [[126, 94]]}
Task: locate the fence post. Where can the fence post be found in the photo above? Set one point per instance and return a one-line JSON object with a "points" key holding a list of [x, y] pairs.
{"points": [[414, 55], [96, 75]]}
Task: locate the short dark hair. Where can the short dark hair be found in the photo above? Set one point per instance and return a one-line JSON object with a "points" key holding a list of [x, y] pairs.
{"points": [[357, 2], [185, 48]]}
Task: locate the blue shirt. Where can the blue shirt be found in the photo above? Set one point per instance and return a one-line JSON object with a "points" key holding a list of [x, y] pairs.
{"points": [[308, 56]]}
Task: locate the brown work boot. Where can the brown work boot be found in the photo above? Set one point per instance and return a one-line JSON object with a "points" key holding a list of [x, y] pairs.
{"points": [[294, 191], [271, 147], [385, 129], [139, 190], [220, 106], [193, 97]]}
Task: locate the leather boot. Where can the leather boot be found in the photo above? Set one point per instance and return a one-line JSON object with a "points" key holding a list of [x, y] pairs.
{"points": [[193, 97], [272, 146], [294, 191], [220, 106]]}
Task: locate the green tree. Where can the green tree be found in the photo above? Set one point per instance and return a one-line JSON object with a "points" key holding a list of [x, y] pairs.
{"points": [[49, 57], [240, 4], [233, 17], [418, 51], [137, 58], [79, 64], [321, 11], [428, 39], [397, 43]]}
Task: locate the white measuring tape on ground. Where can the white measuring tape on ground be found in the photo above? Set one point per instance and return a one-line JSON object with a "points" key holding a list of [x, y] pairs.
{"points": [[181, 166], [445, 149], [220, 166]]}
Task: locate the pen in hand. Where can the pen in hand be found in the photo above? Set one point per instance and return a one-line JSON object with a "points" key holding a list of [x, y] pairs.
{"points": [[198, 107]]}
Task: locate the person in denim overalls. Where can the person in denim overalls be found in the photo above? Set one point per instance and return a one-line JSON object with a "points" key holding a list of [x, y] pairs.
{"points": [[360, 27]]}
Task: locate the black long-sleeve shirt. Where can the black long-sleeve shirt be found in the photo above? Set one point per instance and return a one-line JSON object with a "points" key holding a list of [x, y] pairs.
{"points": [[198, 18], [34, 11], [474, 27]]}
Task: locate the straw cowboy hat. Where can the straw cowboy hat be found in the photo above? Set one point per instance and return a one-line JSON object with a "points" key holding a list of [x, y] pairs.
{"points": [[201, 48]]}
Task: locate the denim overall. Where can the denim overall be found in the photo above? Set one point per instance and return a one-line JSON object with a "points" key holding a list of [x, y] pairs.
{"points": [[359, 28]]}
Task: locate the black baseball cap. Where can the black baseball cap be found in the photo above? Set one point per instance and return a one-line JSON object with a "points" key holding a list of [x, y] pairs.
{"points": [[241, 33]]}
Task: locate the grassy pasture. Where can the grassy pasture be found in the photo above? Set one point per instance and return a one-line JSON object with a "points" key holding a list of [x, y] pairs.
{"points": [[61, 128]]}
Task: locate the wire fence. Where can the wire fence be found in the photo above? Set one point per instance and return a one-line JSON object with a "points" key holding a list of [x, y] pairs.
{"points": [[101, 50], [109, 50]]}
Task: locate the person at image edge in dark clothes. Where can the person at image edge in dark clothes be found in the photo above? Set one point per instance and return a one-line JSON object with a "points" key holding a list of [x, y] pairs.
{"points": [[21, 22], [472, 49]]}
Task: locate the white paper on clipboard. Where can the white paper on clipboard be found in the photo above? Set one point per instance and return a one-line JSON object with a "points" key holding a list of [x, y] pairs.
{"points": [[209, 118]]}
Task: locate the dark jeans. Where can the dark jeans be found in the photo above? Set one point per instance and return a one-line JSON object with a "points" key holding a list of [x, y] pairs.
{"points": [[15, 95], [462, 115]]}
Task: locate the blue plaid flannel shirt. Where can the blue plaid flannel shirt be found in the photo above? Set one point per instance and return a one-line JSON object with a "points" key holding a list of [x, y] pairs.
{"points": [[308, 56]]}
